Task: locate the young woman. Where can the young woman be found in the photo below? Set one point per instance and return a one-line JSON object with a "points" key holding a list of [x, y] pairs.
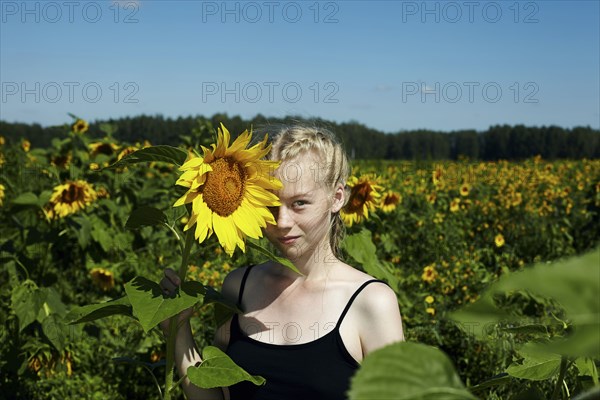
{"points": [[307, 333]]}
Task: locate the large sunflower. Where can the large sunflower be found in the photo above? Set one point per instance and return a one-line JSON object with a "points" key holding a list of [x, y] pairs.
{"points": [[364, 197], [229, 188], [390, 200], [70, 198]]}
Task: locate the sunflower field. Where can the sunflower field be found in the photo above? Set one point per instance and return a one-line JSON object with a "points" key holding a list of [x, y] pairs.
{"points": [[440, 233]]}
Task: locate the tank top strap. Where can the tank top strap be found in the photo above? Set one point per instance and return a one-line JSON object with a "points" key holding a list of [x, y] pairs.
{"points": [[241, 293], [354, 297]]}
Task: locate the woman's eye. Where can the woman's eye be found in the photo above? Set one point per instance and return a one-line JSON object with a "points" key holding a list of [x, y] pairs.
{"points": [[299, 203]]}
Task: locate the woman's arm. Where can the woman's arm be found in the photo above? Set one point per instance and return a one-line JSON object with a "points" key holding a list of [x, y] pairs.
{"points": [[381, 323], [186, 355], [186, 351]]}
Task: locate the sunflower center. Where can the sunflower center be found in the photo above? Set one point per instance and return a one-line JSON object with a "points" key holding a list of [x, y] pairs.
{"points": [[359, 195], [391, 199], [223, 190], [72, 194]]}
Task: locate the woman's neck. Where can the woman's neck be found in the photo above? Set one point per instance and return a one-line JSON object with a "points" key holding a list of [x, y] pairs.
{"points": [[315, 264]]}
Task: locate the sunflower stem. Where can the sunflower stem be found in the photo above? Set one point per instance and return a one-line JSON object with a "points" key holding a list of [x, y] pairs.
{"points": [[173, 324]]}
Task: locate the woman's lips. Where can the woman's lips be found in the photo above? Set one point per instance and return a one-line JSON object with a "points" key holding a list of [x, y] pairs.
{"points": [[288, 239]]}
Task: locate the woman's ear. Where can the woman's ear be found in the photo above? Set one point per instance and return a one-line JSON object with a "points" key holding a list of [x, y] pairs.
{"points": [[339, 198]]}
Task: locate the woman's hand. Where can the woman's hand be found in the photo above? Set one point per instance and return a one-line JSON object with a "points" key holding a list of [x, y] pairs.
{"points": [[169, 285]]}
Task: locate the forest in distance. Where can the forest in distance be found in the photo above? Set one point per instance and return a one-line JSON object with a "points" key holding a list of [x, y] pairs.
{"points": [[498, 142]]}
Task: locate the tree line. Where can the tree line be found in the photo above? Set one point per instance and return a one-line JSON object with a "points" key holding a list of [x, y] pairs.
{"points": [[497, 142]]}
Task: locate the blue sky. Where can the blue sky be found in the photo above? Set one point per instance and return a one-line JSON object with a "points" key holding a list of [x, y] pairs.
{"points": [[392, 65]]}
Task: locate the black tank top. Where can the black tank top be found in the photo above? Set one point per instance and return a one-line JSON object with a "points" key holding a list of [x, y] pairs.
{"points": [[317, 370]]}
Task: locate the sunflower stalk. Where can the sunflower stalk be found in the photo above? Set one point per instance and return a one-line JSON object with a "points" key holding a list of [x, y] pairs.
{"points": [[173, 323]]}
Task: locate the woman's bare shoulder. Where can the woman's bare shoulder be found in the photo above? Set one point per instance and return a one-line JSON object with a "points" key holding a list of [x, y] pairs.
{"points": [[233, 280]]}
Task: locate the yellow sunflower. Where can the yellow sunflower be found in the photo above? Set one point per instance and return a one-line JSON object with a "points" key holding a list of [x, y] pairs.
{"points": [[61, 160], [102, 148], [465, 189], [26, 145], [70, 198], [429, 274], [364, 197], [230, 190], [126, 151], [102, 278], [1, 194], [390, 200], [80, 126], [499, 240], [455, 205]]}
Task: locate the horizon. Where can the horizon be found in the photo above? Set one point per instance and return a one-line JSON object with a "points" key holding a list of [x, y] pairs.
{"points": [[391, 66], [97, 121]]}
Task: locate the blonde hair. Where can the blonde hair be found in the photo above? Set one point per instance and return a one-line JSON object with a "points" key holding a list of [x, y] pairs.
{"points": [[292, 141]]}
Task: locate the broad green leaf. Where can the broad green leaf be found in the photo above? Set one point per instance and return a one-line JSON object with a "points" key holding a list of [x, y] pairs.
{"points": [[573, 283], [101, 235], [26, 302], [169, 154], [536, 366], [50, 303], [151, 306], [407, 371], [361, 248], [587, 367], [281, 260], [145, 216], [26, 199], [218, 370], [54, 329], [92, 312], [83, 232]]}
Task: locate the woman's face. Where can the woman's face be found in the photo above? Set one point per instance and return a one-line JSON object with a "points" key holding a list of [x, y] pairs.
{"points": [[303, 219]]}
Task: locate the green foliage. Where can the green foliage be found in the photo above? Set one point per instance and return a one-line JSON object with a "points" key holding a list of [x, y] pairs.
{"points": [[57, 271], [151, 306], [217, 370], [407, 371]]}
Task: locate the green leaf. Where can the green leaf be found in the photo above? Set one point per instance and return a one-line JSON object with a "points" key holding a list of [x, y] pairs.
{"points": [[281, 260], [587, 367], [361, 248], [169, 154], [536, 366], [573, 283], [26, 302], [407, 371], [50, 303], [92, 312], [27, 199], [218, 370], [151, 306], [83, 232], [102, 236], [54, 329], [145, 216]]}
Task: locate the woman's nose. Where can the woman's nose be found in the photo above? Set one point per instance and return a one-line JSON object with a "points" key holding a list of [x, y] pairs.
{"points": [[283, 217]]}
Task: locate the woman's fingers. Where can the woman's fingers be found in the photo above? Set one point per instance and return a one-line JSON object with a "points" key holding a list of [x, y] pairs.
{"points": [[170, 282]]}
